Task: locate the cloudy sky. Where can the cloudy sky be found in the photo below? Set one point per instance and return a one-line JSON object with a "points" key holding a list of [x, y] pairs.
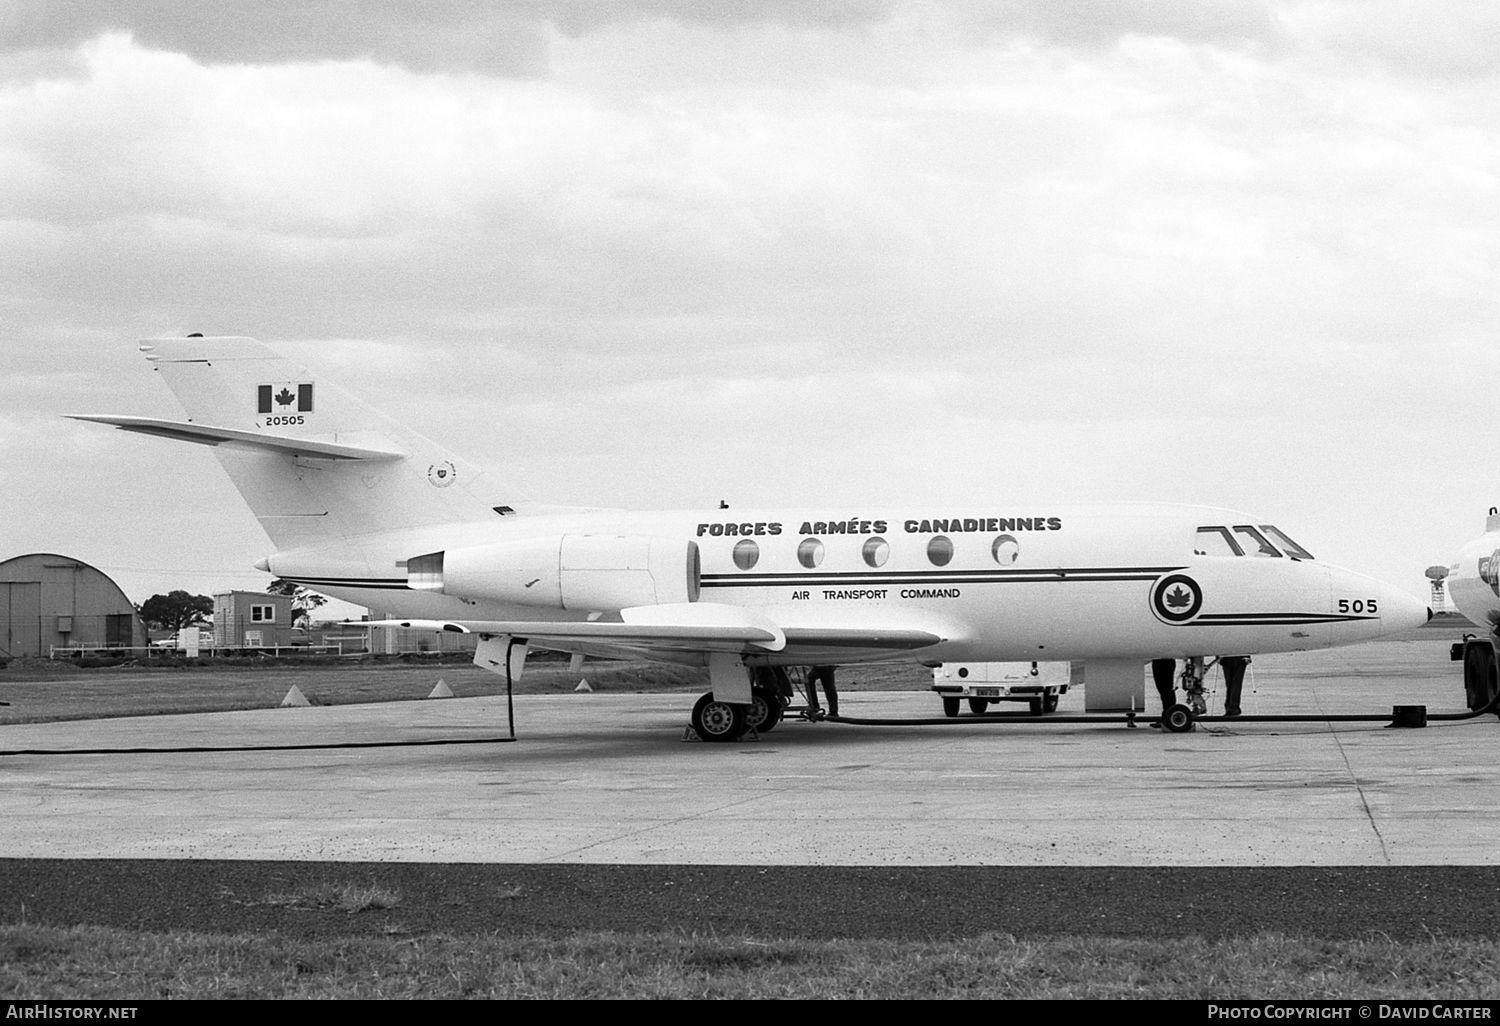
{"points": [[657, 253]]}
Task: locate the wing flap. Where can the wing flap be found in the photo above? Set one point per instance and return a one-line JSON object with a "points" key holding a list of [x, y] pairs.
{"points": [[207, 434]]}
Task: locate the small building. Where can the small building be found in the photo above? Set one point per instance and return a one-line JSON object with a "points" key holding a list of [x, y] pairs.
{"points": [[49, 601], [252, 619]]}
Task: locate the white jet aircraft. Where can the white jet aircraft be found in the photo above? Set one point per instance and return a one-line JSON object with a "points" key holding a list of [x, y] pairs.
{"points": [[364, 509]]}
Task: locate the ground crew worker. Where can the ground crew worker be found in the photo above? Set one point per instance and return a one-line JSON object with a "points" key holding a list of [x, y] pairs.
{"points": [[1234, 681], [824, 674], [1164, 672]]}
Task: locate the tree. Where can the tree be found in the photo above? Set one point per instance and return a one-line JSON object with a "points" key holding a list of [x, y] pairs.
{"points": [[176, 610], [303, 601]]}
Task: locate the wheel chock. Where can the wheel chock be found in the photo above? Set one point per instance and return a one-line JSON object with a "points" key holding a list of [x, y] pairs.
{"points": [[1409, 716]]}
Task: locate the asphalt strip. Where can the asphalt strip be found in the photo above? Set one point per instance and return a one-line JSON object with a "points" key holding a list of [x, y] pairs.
{"points": [[340, 899]]}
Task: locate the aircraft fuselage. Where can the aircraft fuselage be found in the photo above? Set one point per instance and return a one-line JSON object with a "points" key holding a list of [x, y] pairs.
{"points": [[1061, 583]]}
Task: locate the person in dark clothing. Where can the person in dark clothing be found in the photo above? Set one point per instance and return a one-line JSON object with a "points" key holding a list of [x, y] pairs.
{"points": [[1164, 672], [823, 674], [1234, 682]]}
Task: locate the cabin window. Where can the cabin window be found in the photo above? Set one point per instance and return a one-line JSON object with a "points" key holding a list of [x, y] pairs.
{"points": [[810, 553], [1216, 541], [746, 554], [1005, 549], [1288, 546], [876, 551], [940, 551], [1254, 543]]}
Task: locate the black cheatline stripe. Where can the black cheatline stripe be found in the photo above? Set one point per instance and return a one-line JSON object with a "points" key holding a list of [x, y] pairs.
{"points": [[388, 583], [1050, 574], [1265, 619], [866, 581]]}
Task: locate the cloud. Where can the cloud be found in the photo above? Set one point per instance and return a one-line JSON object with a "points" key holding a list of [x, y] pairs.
{"points": [[1443, 39], [1099, 23], [431, 36], [435, 35]]}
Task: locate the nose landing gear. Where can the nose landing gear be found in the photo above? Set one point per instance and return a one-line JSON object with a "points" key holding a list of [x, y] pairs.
{"points": [[1194, 672]]}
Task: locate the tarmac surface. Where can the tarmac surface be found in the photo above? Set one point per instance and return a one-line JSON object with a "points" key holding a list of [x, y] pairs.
{"points": [[600, 817], [607, 779]]}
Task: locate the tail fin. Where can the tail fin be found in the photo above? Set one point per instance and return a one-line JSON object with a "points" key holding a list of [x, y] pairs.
{"points": [[315, 465]]}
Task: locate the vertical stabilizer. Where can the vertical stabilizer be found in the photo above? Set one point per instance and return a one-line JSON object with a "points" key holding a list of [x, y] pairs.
{"points": [[303, 500]]}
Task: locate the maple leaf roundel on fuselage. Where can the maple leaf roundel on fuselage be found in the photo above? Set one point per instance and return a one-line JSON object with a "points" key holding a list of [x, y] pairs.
{"points": [[1176, 598]]}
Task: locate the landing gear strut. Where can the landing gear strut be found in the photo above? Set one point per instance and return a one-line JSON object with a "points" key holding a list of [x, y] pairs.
{"points": [[1194, 693]]}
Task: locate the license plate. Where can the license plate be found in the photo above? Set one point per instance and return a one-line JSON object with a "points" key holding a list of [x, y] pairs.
{"points": [[986, 692]]}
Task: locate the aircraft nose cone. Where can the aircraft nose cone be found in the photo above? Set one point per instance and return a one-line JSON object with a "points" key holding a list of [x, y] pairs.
{"points": [[1400, 611]]}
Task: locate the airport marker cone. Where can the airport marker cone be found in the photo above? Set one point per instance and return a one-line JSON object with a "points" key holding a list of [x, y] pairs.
{"points": [[583, 685], [442, 690], [294, 697]]}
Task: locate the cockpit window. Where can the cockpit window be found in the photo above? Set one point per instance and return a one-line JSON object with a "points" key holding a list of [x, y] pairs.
{"points": [[1254, 543], [1216, 541], [1288, 546]]}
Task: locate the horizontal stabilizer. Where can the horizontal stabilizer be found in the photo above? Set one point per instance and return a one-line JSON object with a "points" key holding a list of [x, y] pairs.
{"points": [[204, 434]]}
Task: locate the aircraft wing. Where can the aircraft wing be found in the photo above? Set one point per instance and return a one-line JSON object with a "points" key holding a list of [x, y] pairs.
{"points": [[682, 627], [206, 434], [685, 627]]}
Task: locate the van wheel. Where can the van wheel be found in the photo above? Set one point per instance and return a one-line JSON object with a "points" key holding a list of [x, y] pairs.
{"points": [[950, 706], [977, 706], [1049, 704]]}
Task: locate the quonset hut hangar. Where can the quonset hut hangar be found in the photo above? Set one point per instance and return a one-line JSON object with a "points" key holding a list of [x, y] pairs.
{"points": [[49, 601]]}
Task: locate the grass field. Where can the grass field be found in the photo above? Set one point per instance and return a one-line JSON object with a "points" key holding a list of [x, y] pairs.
{"points": [[93, 962], [41, 690]]}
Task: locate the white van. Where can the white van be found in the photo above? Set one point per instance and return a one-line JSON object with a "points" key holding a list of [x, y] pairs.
{"points": [[1039, 684]]}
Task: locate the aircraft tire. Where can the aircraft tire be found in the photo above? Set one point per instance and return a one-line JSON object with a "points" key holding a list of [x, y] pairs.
{"points": [[950, 707], [1479, 672], [764, 711], [719, 721], [1178, 719], [977, 706]]}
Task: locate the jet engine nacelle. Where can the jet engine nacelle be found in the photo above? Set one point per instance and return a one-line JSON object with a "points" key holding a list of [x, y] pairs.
{"points": [[604, 572]]}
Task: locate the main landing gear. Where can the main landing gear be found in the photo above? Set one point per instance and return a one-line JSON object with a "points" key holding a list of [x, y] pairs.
{"points": [[770, 695], [719, 721]]}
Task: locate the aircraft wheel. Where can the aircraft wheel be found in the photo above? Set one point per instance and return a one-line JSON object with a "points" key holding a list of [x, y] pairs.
{"points": [[718, 721], [764, 711], [1049, 704], [950, 706], [1479, 671], [977, 706], [1491, 679], [1178, 719]]}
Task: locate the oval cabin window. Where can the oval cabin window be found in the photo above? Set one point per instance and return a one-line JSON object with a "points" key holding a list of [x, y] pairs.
{"points": [[940, 551], [810, 553], [876, 552], [746, 554]]}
